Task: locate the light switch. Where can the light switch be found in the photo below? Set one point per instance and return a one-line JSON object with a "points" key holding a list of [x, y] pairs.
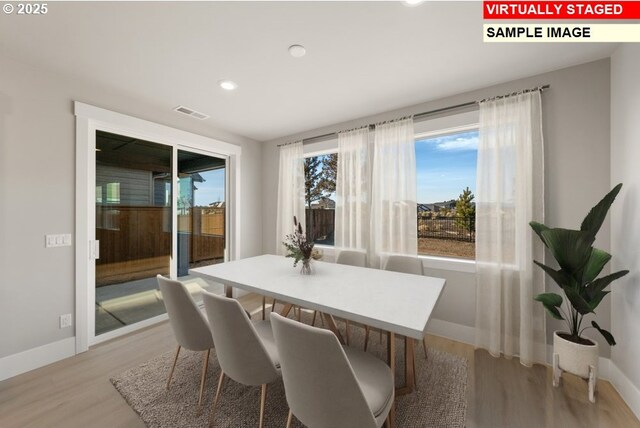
{"points": [[60, 240]]}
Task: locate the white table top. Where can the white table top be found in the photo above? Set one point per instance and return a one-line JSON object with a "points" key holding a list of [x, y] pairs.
{"points": [[396, 302]]}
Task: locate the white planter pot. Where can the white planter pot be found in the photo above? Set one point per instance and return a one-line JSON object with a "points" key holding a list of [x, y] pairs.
{"points": [[573, 357], [577, 359]]}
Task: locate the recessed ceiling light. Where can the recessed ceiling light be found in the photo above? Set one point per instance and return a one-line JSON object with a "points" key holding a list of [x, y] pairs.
{"points": [[229, 85], [297, 51], [413, 2]]}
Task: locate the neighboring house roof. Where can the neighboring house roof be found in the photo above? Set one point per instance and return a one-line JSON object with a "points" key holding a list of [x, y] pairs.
{"points": [[323, 202], [436, 206]]}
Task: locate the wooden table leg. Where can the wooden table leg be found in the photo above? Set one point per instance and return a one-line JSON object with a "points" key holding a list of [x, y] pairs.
{"points": [[331, 323], [409, 369], [391, 355], [409, 363]]}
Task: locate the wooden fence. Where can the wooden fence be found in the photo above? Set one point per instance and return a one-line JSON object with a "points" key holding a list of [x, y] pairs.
{"points": [[135, 241], [320, 224]]}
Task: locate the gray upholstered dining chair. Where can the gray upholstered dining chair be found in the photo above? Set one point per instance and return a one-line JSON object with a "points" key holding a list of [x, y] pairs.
{"points": [[407, 264], [404, 264], [328, 385], [246, 349], [352, 258], [189, 325]]}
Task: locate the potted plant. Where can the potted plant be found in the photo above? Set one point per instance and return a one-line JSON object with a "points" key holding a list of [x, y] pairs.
{"points": [[580, 264], [300, 248]]}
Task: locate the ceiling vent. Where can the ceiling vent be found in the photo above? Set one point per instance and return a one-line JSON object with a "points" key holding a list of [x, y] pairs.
{"points": [[190, 112]]}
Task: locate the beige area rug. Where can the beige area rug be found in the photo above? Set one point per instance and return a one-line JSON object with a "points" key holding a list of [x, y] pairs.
{"points": [[440, 399]]}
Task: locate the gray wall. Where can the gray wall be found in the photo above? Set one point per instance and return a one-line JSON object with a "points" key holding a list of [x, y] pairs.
{"points": [[37, 194], [625, 214], [576, 130]]}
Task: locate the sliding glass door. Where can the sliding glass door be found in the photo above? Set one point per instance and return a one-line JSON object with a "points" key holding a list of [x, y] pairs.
{"points": [[201, 206], [136, 212]]}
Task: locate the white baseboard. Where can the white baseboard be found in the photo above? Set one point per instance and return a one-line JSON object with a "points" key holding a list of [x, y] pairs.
{"points": [[450, 330], [31, 359], [466, 334], [627, 390]]}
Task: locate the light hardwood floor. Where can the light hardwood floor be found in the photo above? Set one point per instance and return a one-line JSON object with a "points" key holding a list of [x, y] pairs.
{"points": [[76, 392]]}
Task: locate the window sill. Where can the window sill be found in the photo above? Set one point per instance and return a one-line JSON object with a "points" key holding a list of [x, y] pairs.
{"points": [[448, 263], [327, 250]]}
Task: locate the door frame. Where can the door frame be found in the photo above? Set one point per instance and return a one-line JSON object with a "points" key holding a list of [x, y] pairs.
{"points": [[174, 196], [90, 119]]}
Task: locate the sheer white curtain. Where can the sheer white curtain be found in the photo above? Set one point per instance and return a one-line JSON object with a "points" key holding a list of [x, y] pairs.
{"points": [[393, 192], [290, 191], [510, 179], [353, 190]]}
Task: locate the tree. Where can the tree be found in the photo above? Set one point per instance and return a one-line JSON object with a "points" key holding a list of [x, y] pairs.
{"points": [[312, 178], [466, 210], [329, 173], [320, 177]]}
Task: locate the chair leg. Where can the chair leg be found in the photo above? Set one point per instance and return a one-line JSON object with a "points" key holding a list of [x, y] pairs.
{"points": [[173, 367], [289, 418], [424, 346], [263, 399], [264, 307], [366, 337], [315, 314], [203, 379], [212, 414], [273, 305]]}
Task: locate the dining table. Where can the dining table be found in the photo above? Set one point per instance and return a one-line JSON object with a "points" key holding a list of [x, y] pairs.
{"points": [[396, 303]]}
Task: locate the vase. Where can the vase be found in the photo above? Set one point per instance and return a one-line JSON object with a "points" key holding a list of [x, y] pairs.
{"points": [[306, 267], [577, 359]]}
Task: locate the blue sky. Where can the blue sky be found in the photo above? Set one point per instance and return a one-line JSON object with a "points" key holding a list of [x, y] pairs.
{"points": [[445, 165], [212, 190]]}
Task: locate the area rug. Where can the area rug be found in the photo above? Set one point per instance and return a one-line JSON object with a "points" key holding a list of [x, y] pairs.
{"points": [[439, 401]]}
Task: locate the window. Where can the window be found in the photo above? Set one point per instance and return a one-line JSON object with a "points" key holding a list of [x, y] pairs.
{"points": [[113, 193], [446, 180], [320, 191]]}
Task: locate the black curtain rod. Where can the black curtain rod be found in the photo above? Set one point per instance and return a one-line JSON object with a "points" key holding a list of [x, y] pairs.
{"points": [[430, 112]]}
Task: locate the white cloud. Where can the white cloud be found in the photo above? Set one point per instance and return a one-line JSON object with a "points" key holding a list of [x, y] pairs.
{"points": [[455, 143], [458, 144]]}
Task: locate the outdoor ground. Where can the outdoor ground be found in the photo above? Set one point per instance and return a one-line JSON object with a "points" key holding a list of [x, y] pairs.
{"points": [[446, 248]]}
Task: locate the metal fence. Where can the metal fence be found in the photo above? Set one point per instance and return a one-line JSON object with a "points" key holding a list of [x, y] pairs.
{"points": [[452, 228], [320, 224]]}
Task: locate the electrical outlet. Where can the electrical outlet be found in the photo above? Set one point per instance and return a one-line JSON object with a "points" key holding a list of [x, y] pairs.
{"points": [[65, 320]]}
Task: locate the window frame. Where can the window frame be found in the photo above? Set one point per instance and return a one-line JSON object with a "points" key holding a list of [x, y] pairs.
{"points": [[452, 264], [458, 264]]}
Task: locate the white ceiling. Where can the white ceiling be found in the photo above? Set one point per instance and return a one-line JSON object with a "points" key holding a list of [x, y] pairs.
{"points": [[362, 58]]}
